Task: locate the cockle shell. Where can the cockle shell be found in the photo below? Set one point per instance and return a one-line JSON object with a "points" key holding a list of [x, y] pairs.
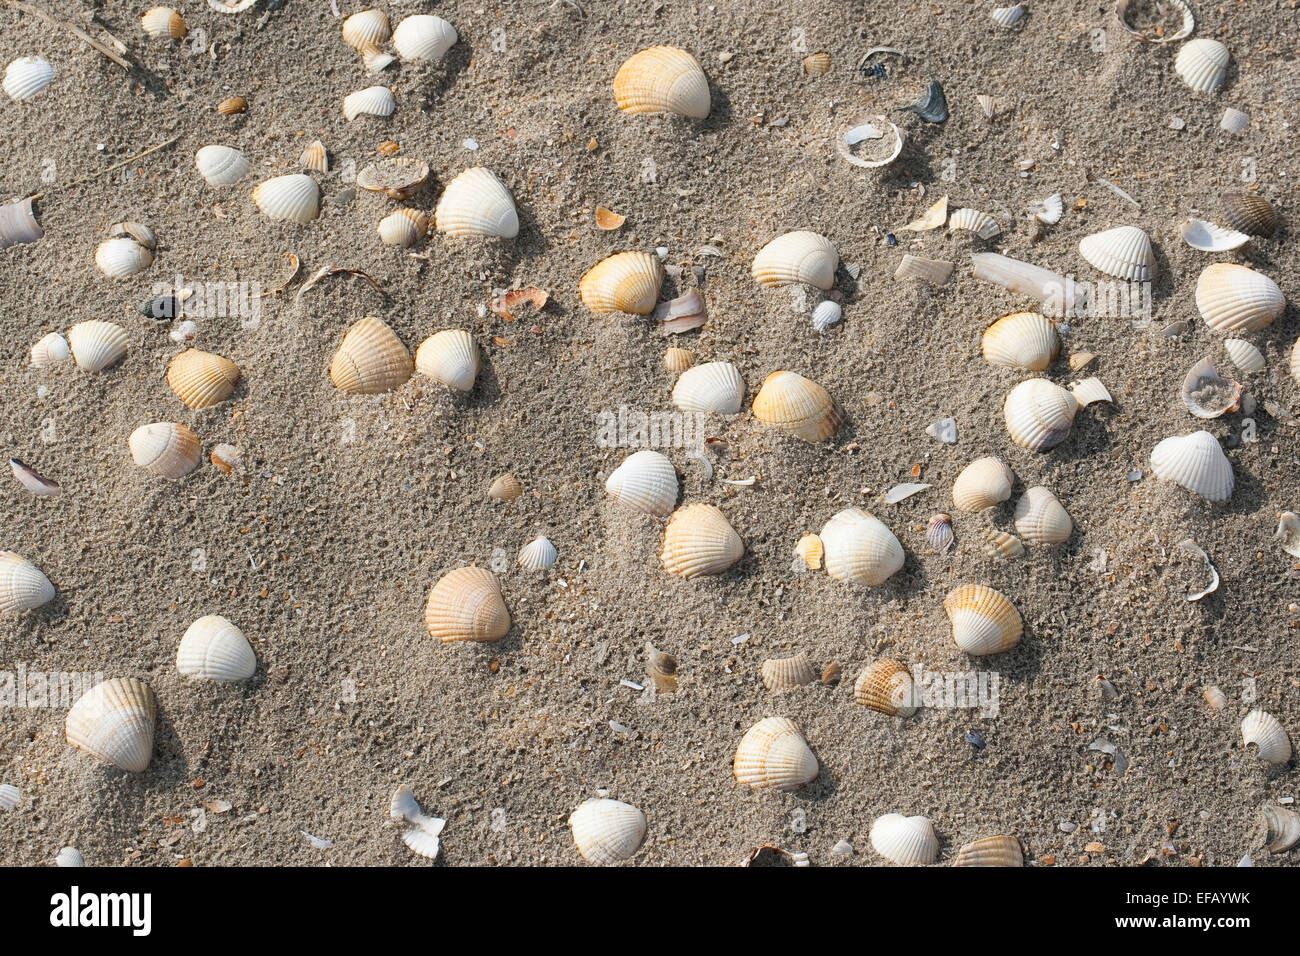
{"points": [[202, 379], [23, 586], [773, 753], [1170, 6], [1049, 210], [232, 106], [1089, 391], [27, 76], [291, 198], [1041, 518], [97, 345], [221, 165], [371, 359], [69, 856], [366, 30], [860, 548], [974, 220], [466, 605], [810, 550], [983, 620], [625, 282], [887, 687], [1039, 414], [134, 230], [797, 405], [815, 64], [1244, 355], [1209, 237], [1203, 64], [982, 484], [711, 387], [121, 257], [114, 722], [163, 23], [505, 488], [1024, 340], [1216, 698], [678, 360], [10, 796], [18, 223], [938, 533], [1207, 394], [932, 271], [1233, 298], [607, 831], [215, 649], [662, 79], [477, 203], [450, 357], [991, 851], [1281, 828], [424, 37], [645, 482], [781, 674], [49, 349], [1197, 463], [699, 540], [1002, 545], [403, 227], [802, 256], [1262, 729], [907, 841], [1124, 252], [397, 177], [168, 449], [372, 101], [1249, 213], [538, 554], [315, 158]]}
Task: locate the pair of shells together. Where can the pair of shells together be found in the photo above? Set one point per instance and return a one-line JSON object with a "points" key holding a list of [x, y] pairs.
{"points": [[372, 360], [418, 37], [128, 250], [788, 401]]}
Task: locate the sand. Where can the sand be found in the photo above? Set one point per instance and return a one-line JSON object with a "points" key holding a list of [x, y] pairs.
{"points": [[353, 506]]}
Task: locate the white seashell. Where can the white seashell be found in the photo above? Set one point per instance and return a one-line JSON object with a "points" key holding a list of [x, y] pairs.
{"points": [[366, 30], [1203, 64], [450, 357], [27, 76], [1207, 394], [804, 257], [1024, 340], [773, 753], [122, 257], [645, 482], [376, 62], [982, 484], [10, 796], [699, 540], [1234, 121], [902, 492], [134, 230], [372, 101], [18, 224], [214, 649], [424, 37], [683, 313], [809, 550], [1187, 544], [825, 315], [883, 141], [23, 586], [1208, 237], [1041, 518], [69, 856], [1281, 828], [538, 555], [1050, 210], [781, 674], [33, 480], [983, 620], [1197, 463], [1124, 252], [1039, 414], [989, 104], [1002, 545], [1177, 6], [168, 449], [1008, 17], [404, 808], [973, 220], [403, 227], [907, 841], [711, 387], [860, 548], [1262, 729], [1288, 532], [662, 79], [221, 165], [163, 23], [49, 349], [114, 721], [422, 842], [607, 831], [936, 272], [96, 345], [1050, 288], [1089, 391], [1245, 356], [291, 198], [477, 203], [932, 218], [1233, 298]]}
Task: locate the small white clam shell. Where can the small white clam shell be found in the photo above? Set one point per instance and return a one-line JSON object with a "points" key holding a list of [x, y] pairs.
{"points": [[1244, 355], [773, 753], [711, 387], [168, 449], [424, 37], [1203, 64], [114, 721], [96, 345], [1089, 391], [23, 586], [450, 357], [372, 101], [33, 480], [121, 257], [974, 220], [907, 841], [607, 831], [1197, 463], [215, 649], [1124, 252], [825, 315], [1262, 729], [366, 30], [982, 484], [1234, 298], [10, 796], [802, 256], [885, 141], [69, 856], [49, 349], [646, 481], [477, 203], [860, 549], [291, 198], [1039, 414], [1234, 121], [1209, 237], [1041, 518], [538, 554], [27, 76], [221, 165]]}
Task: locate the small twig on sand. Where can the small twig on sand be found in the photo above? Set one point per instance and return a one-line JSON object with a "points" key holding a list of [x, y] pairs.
{"points": [[74, 30], [110, 169]]}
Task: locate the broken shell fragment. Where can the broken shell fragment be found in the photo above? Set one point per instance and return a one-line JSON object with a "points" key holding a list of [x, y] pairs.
{"points": [[973, 220], [122, 257], [505, 488], [1039, 414], [935, 272], [1244, 355], [646, 481], [931, 105], [699, 541], [18, 224], [1089, 391], [810, 550], [786, 673], [991, 851], [1002, 545], [221, 165], [1281, 828], [1233, 298], [23, 586], [477, 203], [50, 349], [315, 158], [212, 648], [466, 605], [681, 314], [798, 406], [887, 687], [1124, 252], [398, 177], [1202, 64], [114, 722], [626, 282], [96, 345], [1288, 533], [1195, 462], [366, 30], [815, 64], [1262, 729], [608, 220], [1208, 237], [1249, 213], [450, 357], [662, 79], [982, 484], [1048, 287], [202, 379], [538, 554], [860, 549], [1216, 698], [27, 76], [1050, 210], [291, 198], [801, 256], [1008, 17], [227, 459], [33, 480], [163, 23], [372, 101], [168, 449], [662, 669], [983, 620], [1024, 340], [938, 533], [607, 831], [869, 141], [1207, 394], [678, 360], [711, 387], [773, 753], [424, 37], [907, 841], [1041, 518], [403, 227], [932, 218], [1158, 34], [370, 360]]}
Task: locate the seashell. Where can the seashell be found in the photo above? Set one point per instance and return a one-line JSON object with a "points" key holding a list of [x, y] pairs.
{"points": [[1008, 17], [49, 349], [989, 104], [1202, 64], [370, 360], [403, 227], [831, 675], [214, 649], [1288, 532], [232, 106], [23, 586], [662, 79], [1024, 340], [33, 480], [931, 105], [372, 101], [477, 203], [774, 754], [907, 841], [1216, 698], [450, 357], [681, 314], [1248, 213], [366, 30], [625, 282], [991, 851], [973, 220], [1160, 36], [1234, 121], [122, 257], [932, 218], [781, 674], [826, 314], [711, 387], [163, 23], [796, 405], [96, 345], [860, 549], [27, 76], [134, 230], [944, 430], [1050, 210], [810, 550], [608, 220], [1197, 463], [1281, 828], [424, 37], [538, 554], [291, 198], [698, 540], [69, 856], [398, 177], [983, 620], [505, 488], [982, 484], [1233, 298], [1245, 356], [201, 379], [902, 492], [221, 165], [804, 257], [662, 669], [168, 449], [607, 831], [315, 158], [645, 482], [1002, 545], [114, 722], [1050, 288], [466, 605], [815, 64], [1187, 544], [1124, 252], [938, 533], [933, 271], [377, 62], [1207, 394], [1038, 414], [678, 360], [1262, 729], [887, 687], [1081, 360], [1208, 237], [18, 224], [869, 141], [227, 459], [424, 842], [1090, 391], [1041, 518]]}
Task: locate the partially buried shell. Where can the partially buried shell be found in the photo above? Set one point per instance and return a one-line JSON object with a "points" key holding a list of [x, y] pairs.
{"points": [[974, 220], [202, 379], [315, 158], [232, 106], [810, 550], [645, 482], [366, 30], [1281, 828], [607, 831], [168, 449], [450, 357], [1203, 64], [221, 165], [662, 79], [538, 554], [33, 480], [1024, 340], [505, 488], [773, 753], [114, 722], [860, 548], [292, 198], [69, 856], [1249, 213], [1002, 545], [711, 387], [797, 405], [1209, 237], [781, 674], [163, 23], [212, 648], [403, 227], [50, 349], [1197, 463], [1244, 355], [932, 271], [424, 37], [372, 101], [982, 484], [815, 64], [96, 345], [991, 851], [1233, 298], [122, 257], [18, 223], [1041, 518], [1207, 394], [938, 533], [907, 841], [397, 177], [1039, 414], [700, 541], [27, 76], [797, 257], [625, 282], [1262, 729], [10, 796], [477, 203], [23, 586], [887, 687], [682, 314], [370, 360], [678, 360], [466, 605], [1124, 252], [983, 620]]}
